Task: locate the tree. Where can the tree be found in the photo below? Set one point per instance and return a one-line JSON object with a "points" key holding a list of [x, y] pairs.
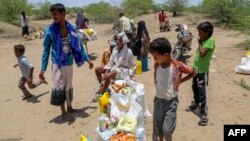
{"points": [[101, 12], [176, 6], [10, 10], [137, 7], [43, 11], [226, 11]]}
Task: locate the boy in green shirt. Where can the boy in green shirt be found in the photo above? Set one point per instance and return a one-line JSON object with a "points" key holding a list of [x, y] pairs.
{"points": [[201, 65]]}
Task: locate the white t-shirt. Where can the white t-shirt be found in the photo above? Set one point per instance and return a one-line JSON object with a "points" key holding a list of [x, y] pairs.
{"points": [[25, 66], [165, 82], [66, 45], [24, 22], [125, 24]]}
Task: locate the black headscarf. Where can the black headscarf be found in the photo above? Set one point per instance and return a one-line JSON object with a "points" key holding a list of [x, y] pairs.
{"points": [[141, 28]]}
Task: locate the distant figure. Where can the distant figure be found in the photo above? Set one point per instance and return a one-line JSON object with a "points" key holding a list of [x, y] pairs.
{"points": [[125, 24], [24, 24], [81, 21], [162, 17], [142, 43], [26, 71]]}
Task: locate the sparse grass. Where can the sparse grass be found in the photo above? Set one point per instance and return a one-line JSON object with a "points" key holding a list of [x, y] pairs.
{"points": [[1, 31], [243, 84], [245, 44]]}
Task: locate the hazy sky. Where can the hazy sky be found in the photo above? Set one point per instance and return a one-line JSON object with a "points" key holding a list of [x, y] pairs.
{"points": [[79, 3]]}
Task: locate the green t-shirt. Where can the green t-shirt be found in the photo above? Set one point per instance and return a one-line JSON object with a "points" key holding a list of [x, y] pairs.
{"points": [[201, 64]]}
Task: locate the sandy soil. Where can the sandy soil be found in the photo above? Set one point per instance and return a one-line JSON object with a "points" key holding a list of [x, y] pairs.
{"points": [[36, 120]]}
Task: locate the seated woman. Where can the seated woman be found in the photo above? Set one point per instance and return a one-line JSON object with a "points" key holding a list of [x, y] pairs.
{"points": [[121, 65]]}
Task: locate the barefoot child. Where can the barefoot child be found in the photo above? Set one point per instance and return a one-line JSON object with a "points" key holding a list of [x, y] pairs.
{"points": [[26, 71], [168, 77]]}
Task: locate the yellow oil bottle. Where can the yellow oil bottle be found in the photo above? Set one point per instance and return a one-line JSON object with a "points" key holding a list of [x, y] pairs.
{"points": [[104, 102], [138, 67]]}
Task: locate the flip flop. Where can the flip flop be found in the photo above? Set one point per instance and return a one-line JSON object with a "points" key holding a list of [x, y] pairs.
{"points": [[27, 97]]}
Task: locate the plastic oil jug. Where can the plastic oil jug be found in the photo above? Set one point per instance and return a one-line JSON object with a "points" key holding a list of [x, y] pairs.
{"points": [[83, 138], [104, 102], [138, 67]]}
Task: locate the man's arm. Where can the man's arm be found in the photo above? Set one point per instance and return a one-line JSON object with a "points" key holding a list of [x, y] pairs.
{"points": [[85, 55], [46, 51]]}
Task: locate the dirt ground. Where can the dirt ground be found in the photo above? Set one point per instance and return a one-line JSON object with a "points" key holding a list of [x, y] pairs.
{"points": [[36, 120]]}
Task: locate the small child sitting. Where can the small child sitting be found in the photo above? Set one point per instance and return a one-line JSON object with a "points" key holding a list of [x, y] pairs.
{"points": [[108, 51]]}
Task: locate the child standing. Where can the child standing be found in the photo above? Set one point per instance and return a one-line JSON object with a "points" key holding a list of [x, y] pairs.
{"points": [[107, 53], [167, 77], [26, 70], [201, 65]]}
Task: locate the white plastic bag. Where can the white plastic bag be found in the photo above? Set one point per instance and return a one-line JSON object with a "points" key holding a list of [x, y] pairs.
{"points": [[140, 96], [244, 67]]}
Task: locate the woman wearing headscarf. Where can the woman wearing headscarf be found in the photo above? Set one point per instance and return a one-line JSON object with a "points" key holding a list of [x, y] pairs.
{"points": [[81, 21], [142, 43]]}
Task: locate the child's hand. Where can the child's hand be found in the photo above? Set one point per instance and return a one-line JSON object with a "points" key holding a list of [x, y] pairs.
{"points": [[91, 65], [15, 65], [199, 41]]}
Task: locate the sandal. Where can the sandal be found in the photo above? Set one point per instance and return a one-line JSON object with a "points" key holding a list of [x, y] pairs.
{"points": [[27, 97], [203, 121]]}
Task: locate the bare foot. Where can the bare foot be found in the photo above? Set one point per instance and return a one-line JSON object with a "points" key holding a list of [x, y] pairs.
{"points": [[67, 117], [27, 97], [95, 98], [71, 110], [44, 81]]}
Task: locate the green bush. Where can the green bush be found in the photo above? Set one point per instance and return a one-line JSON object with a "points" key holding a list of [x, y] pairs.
{"points": [[10, 10], [176, 6], [102, 12], [133, 8], [226, 11], [2, 31], [43, 11]]}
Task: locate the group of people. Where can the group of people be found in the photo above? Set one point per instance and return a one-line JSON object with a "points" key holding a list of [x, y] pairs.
{"points": [[62, 41]]}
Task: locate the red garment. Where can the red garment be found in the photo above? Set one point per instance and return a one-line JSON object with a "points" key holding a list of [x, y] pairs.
{"points": [[84, 26], [179, 68], [162, 17]]}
